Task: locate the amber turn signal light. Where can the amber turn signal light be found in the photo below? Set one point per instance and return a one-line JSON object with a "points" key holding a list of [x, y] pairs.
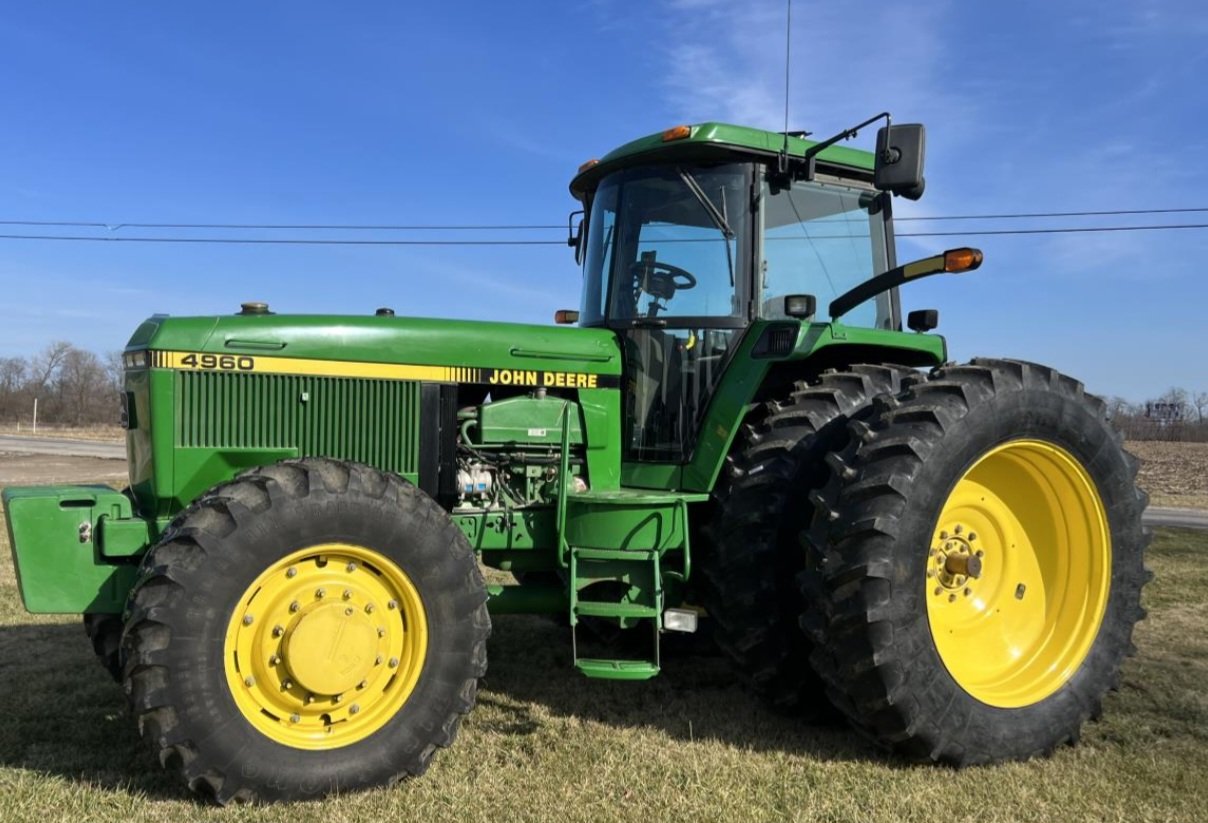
{"points": [[963, 259], [677, 133], [588, 165], [564, 317]]}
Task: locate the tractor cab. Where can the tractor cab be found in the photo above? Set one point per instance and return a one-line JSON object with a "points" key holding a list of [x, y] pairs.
{"points": [[688, 242]]}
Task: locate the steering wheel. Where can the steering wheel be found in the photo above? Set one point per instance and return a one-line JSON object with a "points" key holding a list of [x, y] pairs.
{"points": [[661, 280]]}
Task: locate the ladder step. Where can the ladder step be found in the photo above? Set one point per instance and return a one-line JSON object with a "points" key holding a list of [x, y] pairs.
{"points": [[632, 555], [589, 608], [617, 669]]}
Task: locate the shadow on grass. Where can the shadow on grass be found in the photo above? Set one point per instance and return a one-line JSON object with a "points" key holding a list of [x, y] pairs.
{"points": [[66, 717], [696, 697]]}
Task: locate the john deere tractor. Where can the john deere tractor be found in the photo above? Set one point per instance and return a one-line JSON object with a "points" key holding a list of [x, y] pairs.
{"points": [[736, 433]]}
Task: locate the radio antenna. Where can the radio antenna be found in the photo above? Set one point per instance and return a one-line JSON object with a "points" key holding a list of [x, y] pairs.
{"points": [[788, 43]]}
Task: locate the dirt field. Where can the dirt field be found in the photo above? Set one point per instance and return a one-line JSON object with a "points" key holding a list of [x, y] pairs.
{"points": [[1174, 474]]}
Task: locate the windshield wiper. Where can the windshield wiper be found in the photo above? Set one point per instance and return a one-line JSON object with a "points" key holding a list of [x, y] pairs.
{"points": [[718, 217]]}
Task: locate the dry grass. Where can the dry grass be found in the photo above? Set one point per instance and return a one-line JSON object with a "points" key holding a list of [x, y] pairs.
{"points": [[1174, 474], [545, 744]]}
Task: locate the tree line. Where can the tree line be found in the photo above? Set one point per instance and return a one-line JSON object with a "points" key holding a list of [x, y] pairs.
{"points": [[1177, 414], [76, 387], [72, 386]]}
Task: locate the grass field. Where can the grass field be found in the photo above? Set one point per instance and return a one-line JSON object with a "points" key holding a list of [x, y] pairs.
{"points": [[545, 744]]}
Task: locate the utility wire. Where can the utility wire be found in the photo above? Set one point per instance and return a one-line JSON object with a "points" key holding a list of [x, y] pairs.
{"points": [[1042, 214], [427, 242], [270, 226], [530, 227], [282, 241]]}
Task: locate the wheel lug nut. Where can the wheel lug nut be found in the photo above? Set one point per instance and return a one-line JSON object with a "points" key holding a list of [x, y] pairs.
{"points": [[939, 590], [320, 593], [293, 607], [943, 535], [278, 631], [392, 604], [249, 681], [291, 572], [968, 591], [295, 718], [381, 632], [972, 535], [394, 662], [352, 567], [951, 597], [930, 573], [337, 698], [354, 708], [347, 594], [959, 528], [274, 660], [287, 684], [348, 612], [248, 619], [362, 684], [368, 608], [980, 553], [310, 698]]}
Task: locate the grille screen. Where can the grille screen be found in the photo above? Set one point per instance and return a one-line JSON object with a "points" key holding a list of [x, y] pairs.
{"points": [[368, 421]]}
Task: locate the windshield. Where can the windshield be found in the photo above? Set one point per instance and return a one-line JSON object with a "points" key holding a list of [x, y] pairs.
{"points": [[668, 244], [822, 238]]}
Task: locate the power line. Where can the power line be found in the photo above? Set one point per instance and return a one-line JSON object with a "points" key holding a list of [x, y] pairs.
{"points": [[1043, 214], [497, 242], [282, 241], [116, 226], [273, 226], [1063, 230]]}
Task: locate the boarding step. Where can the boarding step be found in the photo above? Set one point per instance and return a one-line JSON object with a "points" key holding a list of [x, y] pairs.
{"points": [[624, 586], [617, 669]]}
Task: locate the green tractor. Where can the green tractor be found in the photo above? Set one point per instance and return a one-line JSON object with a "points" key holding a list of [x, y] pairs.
{"points": [[737, 434]]}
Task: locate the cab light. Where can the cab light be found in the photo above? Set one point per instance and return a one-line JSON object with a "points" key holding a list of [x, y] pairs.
{"points": [[588, 165], [677, 133], [564, 317], [963, 259]]}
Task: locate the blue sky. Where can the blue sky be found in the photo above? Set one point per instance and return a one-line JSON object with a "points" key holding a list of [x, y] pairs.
{"points": [[481, 112]]}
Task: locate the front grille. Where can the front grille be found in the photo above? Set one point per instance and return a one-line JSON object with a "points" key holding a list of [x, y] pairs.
{"points": [[368, 421]]}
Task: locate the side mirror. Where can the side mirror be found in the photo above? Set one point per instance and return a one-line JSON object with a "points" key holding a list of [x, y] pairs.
{"points": [[574, 237], [922, 320], [800, 306], [899, 160]]}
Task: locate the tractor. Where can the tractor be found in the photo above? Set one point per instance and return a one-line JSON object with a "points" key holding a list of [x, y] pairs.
{"points": [[733, 432]]}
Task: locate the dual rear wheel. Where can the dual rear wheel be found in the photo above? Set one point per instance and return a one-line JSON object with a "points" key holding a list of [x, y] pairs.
{"points": [[973, 565]]}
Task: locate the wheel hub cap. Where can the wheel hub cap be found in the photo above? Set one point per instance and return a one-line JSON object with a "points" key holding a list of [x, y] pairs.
{"points": [[331, 649]]}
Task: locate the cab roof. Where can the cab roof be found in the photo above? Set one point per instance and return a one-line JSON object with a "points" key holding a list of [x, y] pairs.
{"points": [[714, 141]]}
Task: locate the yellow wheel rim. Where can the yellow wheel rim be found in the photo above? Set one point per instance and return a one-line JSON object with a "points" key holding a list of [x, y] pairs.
{"points": [[325, 646], [1018, 573]]}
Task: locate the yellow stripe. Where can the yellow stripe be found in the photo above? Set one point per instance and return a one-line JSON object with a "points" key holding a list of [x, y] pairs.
{"points": [[318, 368]]}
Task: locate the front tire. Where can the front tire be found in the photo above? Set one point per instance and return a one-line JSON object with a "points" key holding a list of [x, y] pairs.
{"points": [[312, 626], [982, 568]]}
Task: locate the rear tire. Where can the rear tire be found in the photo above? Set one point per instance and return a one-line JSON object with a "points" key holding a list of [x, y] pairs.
{"points": [[312, 626], [983, 566], [753, 551]]}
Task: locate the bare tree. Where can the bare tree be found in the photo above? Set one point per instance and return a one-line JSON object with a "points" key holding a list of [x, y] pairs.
{"points": [[1200, 401]]}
